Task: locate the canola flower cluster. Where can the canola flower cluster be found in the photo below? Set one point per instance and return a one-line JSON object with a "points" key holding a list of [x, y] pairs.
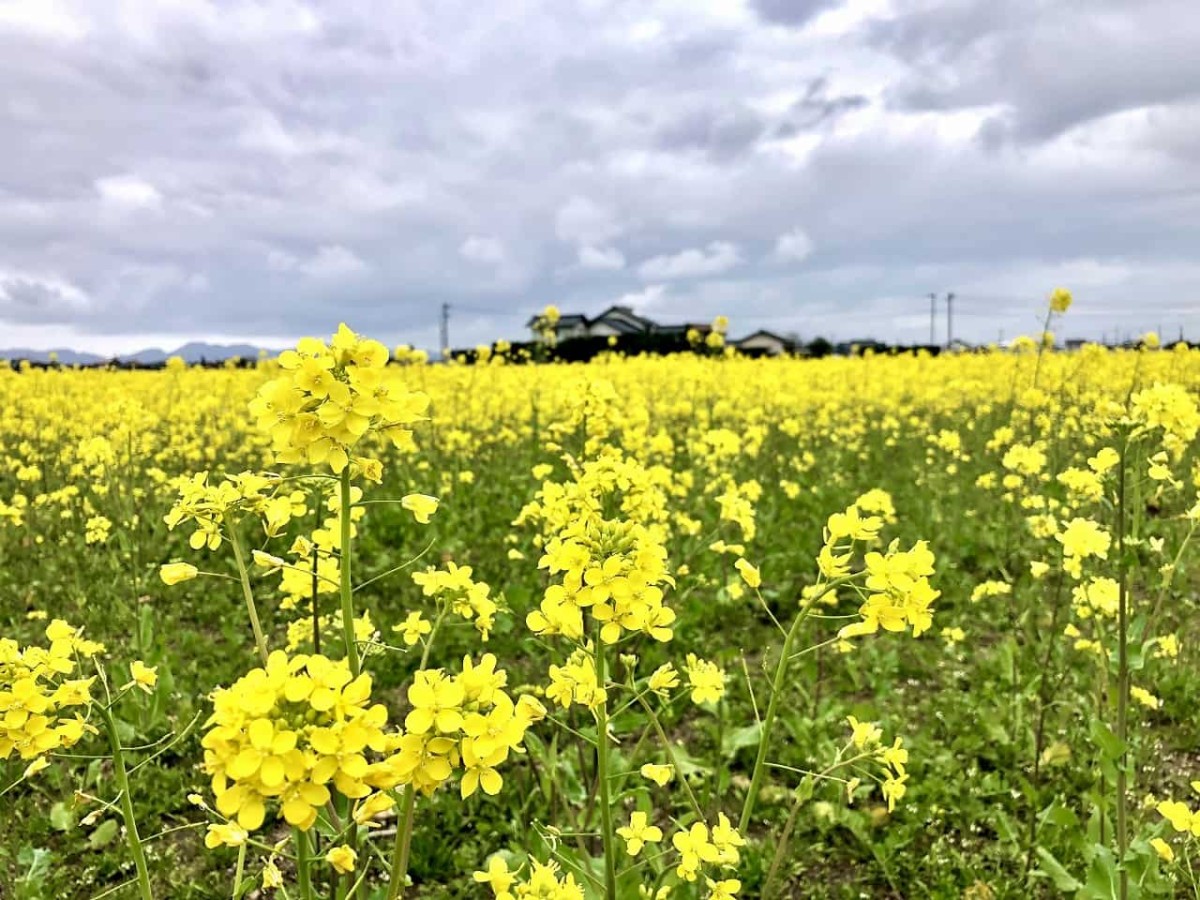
{"points": [[284, 733], [454, 587], [292, 733], [465, 721], [330, 397], [41, 707], [896, 589], [209, 507], [610, 572]]}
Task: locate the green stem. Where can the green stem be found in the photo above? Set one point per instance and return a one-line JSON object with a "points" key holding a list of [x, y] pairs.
{"points": [[399, 874], [781, 847], [773, 704], [239, 554], [131, 829], [241, 868], [606, 824], [347, 589], [662, 737], [303, 875], [1122, 684]]}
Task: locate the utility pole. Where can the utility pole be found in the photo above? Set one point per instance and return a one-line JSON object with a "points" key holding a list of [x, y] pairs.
{"points": [[445, 348], [949, 318], [932, 316]]}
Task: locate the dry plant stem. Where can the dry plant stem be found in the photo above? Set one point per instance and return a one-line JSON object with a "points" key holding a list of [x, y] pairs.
{"points": [[239, 555], [122, 777], [781, 667], [606, 825]]}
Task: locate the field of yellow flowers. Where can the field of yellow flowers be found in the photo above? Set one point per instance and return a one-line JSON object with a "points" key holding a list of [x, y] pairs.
{"points": [[350, 625]]}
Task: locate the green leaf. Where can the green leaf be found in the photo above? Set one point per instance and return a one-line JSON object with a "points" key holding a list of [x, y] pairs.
{"points": [[1056, 872], [103, 835], [36, 863], [741, 738], [62, 818], [1102, 876], [1060, 816], [1111, 746]]}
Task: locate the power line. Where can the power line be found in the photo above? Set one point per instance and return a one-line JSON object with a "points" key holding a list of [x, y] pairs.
{"points": [[949, 318], [445, 348]]}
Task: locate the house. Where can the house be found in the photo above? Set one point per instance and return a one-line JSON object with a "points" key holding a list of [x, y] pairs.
{"points": [[613, 322], [765, 343]]}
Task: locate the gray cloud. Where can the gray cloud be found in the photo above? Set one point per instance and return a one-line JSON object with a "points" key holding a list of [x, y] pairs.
{"points": [[266, 167]]}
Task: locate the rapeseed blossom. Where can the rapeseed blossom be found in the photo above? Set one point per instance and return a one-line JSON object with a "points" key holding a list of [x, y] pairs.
{"points": [[333, 396], [41, 707]]}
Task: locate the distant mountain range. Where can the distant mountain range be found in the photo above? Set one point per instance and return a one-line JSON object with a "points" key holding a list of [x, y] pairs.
{"points": [[192, 352]]}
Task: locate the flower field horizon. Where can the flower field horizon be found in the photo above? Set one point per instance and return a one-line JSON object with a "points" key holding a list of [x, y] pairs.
{"points": [[347, 624]]}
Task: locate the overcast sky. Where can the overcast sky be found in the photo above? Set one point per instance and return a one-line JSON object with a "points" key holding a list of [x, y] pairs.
{"points": [[212, 169]]}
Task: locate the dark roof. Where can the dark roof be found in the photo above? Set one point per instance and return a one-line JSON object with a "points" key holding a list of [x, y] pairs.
{"points": [[627, 313], [569, 319], [764, 333]]}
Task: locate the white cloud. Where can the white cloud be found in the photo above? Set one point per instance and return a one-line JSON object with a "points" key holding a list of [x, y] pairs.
{"points": [[128, 192], [480, 249], [717, 257], [30, 297], [326, 262], [43, 18], [646, 300], [583, 221], [794, 246], [281, 261], [601, 257], [333, 261]]}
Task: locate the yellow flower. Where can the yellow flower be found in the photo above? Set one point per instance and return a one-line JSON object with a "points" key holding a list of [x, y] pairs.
{"points": [[864, 733], [706, 679], [174, 573], [342, 858], [144, 676], [638, 833], [371, 807], [1144, 697], [659, 774], [894, 789], [422, 506], [664, 678], [749, 573], [496, 876], [228, 834], [1179, 815], [1060, 300], [1163, 849], [723, 890], [413, 627], [272, 878]]}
